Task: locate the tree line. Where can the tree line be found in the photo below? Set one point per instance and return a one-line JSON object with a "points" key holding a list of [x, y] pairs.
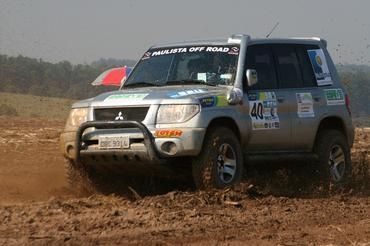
{"points": [[37, 77]]}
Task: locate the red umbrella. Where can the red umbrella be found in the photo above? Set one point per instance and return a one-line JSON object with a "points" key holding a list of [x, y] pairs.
{"points": [[113, 76]]}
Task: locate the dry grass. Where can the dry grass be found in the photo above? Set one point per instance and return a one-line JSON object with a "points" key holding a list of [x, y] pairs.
{"points": [[34, 106]]}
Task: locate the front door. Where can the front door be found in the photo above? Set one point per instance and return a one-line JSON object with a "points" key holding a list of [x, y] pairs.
{"points": [[269, 106]]}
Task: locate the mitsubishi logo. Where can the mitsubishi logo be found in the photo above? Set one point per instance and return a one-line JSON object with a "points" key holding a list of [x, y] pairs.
{"points": [[120, 116]]}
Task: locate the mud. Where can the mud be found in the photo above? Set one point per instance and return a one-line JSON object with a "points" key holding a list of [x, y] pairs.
{"points": [[278, 205]]}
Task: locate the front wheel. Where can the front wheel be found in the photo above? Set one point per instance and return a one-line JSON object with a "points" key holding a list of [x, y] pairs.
{"points": [[220, 163], [79, 178]]}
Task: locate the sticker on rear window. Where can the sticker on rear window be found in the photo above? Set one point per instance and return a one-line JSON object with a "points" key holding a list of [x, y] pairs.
{"points": [[320, 67]]}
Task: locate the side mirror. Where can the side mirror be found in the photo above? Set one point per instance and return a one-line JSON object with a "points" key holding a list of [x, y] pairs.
{"points": [[234, 96], [252, 77]]}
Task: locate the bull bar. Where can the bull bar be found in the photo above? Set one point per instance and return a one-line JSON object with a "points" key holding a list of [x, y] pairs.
{"points": [[149, 140]]}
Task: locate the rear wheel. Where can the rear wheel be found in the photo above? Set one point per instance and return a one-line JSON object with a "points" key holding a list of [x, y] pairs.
{"points": [[220, 163], [334, 157]]}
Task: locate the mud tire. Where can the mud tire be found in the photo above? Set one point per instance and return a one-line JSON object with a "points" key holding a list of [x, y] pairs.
{"points": [[332, 143], [206, 167]]}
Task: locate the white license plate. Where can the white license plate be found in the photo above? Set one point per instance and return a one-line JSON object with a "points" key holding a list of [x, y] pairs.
{"points": [[114, 143]]}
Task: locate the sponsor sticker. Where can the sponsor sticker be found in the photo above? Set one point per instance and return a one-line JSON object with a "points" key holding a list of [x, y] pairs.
{"points": [[186, 93], [214, 101], [147, 55], [121, 97], [263, 111], [305, 105], [168, 133], [334, 97], [320, 67], [232, 50], [208, 102]]}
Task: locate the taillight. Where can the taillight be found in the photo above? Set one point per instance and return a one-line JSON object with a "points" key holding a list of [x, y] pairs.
{"points": [[348, 104]]}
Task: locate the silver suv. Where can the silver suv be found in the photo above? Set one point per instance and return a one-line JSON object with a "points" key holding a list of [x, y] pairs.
{"points": [[218, 103]]}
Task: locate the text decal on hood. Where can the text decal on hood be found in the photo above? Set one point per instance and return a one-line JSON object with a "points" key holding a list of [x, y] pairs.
{"points": [[121, 97], [187, 93]]}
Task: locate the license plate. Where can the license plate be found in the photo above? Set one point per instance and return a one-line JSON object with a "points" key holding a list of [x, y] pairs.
{"points": [[114, 142]]}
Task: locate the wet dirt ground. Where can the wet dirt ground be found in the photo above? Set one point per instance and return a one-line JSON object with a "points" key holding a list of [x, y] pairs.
{"points": [[272, 208]]}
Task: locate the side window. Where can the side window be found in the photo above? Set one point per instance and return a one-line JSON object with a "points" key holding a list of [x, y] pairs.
{"points": [[287, 65], [309, 79], [259, 57]]}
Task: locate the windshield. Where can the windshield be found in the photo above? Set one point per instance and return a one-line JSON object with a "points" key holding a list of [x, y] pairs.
{"points": [[213, 65]]}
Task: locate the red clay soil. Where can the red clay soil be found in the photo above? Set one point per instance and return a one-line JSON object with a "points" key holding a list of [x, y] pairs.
{"points": [[37, 208]]}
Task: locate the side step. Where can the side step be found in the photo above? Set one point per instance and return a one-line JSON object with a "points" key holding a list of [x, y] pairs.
{"points": [[279, 157]]}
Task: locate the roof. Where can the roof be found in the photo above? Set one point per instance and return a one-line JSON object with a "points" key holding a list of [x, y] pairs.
{"points": [[234, 39], [192, 43], [294, 40]]}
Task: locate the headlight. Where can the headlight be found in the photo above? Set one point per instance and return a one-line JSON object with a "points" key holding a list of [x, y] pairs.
{"points": [[77, 116], [176, 113]]}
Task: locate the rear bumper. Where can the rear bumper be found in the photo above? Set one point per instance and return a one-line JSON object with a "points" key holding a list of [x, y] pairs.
{"points": [[82, 145]]}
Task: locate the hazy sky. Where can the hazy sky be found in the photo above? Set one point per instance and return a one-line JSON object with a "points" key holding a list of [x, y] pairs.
{"points": [[83, 31]]}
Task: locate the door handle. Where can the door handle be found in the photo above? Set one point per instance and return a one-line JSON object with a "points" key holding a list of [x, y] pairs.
{"points": [[280, 99], [316, 98]]}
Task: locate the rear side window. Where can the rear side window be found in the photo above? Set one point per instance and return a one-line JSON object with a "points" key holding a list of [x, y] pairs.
{"points": [[287, 66], [309, 79], [259, 57]]}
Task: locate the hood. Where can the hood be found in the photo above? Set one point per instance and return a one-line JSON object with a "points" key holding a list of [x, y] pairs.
{"points": [[154, 95]]}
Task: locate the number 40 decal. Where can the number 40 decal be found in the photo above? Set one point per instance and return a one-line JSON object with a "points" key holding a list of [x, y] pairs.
{"points": [[257, 110]]}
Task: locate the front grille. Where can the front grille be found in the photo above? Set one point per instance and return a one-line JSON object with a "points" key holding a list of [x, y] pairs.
{"points": [[132, 114]]}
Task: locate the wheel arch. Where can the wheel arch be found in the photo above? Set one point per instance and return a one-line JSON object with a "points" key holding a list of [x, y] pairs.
{"points": [[331, 123], [204, 166], [227, 122]]}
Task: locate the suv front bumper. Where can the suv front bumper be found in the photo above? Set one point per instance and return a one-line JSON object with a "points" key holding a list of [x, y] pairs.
{"points": [[83, 145]]}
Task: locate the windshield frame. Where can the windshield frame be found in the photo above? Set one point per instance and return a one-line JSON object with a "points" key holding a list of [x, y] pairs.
{"points": [[231, 51]]}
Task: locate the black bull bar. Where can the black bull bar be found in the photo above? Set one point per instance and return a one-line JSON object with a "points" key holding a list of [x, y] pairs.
{"points": [[149, 140]]}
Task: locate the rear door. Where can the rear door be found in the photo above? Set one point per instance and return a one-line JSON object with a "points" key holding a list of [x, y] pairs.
{"points": [[297, 82]]}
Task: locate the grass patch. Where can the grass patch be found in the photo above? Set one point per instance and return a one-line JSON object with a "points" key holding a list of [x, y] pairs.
{"points": [[21, 105]]}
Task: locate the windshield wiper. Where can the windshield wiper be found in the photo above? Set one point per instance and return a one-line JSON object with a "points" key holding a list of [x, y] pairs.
{"points": [[188, 81], [141, 83]]}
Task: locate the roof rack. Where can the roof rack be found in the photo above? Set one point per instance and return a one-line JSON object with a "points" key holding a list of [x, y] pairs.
{"points": [[236, 38], [323, 41]]}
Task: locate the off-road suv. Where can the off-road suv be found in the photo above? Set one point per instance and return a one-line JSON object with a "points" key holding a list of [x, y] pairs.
{"points": [[217, 104]]}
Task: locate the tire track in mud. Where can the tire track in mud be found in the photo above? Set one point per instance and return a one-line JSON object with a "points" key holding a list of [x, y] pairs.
{"points": [[37, 208], [30, 163]]}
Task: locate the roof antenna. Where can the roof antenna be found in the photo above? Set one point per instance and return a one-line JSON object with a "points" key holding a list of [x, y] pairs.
{"points": [[268, 35]]}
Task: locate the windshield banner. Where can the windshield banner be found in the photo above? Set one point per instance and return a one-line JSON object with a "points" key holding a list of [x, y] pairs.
{"points": [[231, 50]]}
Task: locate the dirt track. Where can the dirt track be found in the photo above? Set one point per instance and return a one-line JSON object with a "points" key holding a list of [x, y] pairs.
{"points": [[37, 208]]}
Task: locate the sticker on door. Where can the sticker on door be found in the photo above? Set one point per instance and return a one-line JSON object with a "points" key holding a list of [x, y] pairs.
{"points": [[263, 111], [305, 105], [334, 97]]}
